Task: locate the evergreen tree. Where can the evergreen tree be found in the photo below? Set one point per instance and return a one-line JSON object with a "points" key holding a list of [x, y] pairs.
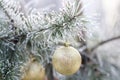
{"points": [[28, 37]]}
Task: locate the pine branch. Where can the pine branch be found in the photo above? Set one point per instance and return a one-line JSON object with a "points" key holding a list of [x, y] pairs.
{"points": [[39, 30], [58, 25], [13, 11]]}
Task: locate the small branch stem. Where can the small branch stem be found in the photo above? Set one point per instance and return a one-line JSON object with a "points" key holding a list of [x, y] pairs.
{"points": [[104, 42], [49, 71], [44, 29]]}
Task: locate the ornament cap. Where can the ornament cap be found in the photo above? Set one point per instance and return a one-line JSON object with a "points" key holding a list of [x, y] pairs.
{"points": [[66, 44]]}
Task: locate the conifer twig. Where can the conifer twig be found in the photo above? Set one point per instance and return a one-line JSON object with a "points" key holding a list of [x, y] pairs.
{"points": [[104, 42]]}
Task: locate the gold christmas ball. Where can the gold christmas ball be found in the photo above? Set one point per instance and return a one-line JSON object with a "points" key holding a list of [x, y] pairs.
{"points": [[66, 60], [34, 71]]}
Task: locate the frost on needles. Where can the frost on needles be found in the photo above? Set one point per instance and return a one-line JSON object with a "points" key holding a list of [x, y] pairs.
{"points": [[37, 33]]}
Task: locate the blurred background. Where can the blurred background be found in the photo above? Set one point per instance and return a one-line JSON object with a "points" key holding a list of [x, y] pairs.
{"points": [[105, 24]]}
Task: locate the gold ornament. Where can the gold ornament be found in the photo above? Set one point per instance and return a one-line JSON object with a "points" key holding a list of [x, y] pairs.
{"points": [[34, 71], [66, 60]]}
